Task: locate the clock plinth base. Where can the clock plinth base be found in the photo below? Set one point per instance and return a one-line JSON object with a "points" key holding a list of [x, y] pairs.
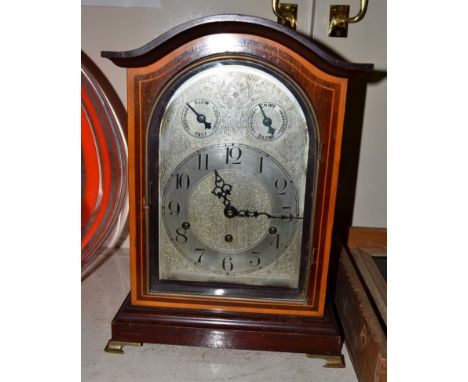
{"points": [[318, 337]]}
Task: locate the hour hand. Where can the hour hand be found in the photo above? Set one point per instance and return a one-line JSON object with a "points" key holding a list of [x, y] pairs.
{"points": [[222, 189]]}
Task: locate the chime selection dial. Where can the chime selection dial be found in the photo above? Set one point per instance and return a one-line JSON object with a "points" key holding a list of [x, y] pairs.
{"points": [[267, 121]]}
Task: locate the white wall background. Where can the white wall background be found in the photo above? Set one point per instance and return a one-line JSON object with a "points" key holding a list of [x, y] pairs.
{"points": [[125, 28], [128, 27], [366, 42]]}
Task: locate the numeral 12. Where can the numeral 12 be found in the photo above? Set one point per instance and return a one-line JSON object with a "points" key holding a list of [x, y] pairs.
{"points": [[233, 155]]}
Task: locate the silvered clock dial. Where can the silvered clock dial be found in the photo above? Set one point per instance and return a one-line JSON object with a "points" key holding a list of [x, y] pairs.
{"points": [[233, 154], [230, 209]]}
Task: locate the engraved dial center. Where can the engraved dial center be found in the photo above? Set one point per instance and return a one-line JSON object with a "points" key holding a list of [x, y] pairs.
{"points": [[212, 226]]}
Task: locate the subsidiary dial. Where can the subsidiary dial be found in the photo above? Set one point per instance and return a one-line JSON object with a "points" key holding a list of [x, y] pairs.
{"points": [[200, 117], [267, 121]]}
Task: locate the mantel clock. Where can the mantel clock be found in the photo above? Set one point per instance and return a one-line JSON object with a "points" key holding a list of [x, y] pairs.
{"points": [[235, 128]]}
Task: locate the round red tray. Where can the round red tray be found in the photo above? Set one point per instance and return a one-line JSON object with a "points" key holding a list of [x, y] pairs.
{"points": [[104, 195]]}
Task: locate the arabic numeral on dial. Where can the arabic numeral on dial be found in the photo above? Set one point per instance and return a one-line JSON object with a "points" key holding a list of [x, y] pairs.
{"points": [[281, 185], [228, 266], [174, 208], [181, 237], [201, 252], [182, 181], [181, 232], [260, 170], [276, 241], [203, 162], [233, 155], [287, 213], [255, 262]]}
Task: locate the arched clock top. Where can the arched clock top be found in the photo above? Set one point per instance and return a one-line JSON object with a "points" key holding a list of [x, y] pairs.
{"points": [[210, 25]]}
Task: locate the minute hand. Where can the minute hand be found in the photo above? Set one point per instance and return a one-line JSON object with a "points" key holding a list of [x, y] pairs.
{"points": [[256, 214]]}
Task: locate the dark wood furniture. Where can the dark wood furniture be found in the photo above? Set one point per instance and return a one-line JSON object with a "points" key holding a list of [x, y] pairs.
{"points": [[361, 301]]}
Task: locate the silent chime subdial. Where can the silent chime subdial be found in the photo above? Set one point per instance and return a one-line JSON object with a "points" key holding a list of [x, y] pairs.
{"points": [[267, 121]]}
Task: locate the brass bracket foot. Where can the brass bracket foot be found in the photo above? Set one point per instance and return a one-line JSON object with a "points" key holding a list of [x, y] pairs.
{"points": [[116, 346], [333, 361]]}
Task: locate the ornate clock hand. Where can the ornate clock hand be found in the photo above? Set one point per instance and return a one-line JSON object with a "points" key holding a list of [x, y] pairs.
{"points": [[200, 117], [256, 214], [267, 121], [222, 189]]}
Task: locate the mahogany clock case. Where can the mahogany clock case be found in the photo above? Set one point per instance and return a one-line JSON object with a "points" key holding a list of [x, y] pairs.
{"points": [[321, 78]]}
